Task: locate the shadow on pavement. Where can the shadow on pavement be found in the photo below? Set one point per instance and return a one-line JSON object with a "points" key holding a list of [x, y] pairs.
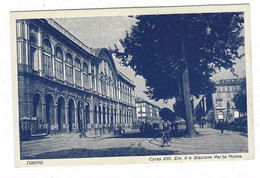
{"points": [[154, 134], [88, 153]]}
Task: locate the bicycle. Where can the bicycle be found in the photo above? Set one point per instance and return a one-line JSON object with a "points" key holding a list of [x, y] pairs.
{"points": [[166, 139]]}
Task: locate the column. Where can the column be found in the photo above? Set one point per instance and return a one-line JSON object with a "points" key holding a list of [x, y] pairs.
{"points": [[53, 64], [56, 116], [81, 74], [66, 116], [89, 77], [76, 125], [73, 71], [40, 52], [83, 119], [19, 34], [26, 36], [64, 68]]}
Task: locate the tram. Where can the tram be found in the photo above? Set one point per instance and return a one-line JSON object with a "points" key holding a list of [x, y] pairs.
{"points": [[32, 128]]}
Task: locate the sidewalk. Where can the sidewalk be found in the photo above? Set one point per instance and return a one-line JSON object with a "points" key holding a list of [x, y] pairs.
{"points": [[210, 141]]}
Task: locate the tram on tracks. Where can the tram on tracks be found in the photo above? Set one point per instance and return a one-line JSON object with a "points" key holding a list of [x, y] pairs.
{"points": [[32, 128]]}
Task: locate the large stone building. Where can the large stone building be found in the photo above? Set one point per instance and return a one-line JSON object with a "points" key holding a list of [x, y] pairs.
{"points": [[224, 107], [146, 111], [65, 84]]}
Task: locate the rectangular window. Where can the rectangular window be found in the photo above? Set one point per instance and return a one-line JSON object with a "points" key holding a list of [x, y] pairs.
{"points": [[47, 65], [85, 80], [219, 103], [69, 74], [77, 77], [58, 70]]}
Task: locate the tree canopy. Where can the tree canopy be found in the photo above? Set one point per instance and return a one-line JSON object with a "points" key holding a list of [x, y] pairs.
{"points": [[167, 114], [153, 50]]}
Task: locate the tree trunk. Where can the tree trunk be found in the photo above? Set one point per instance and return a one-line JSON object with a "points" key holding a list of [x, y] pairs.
{"points": [[190, 130]]}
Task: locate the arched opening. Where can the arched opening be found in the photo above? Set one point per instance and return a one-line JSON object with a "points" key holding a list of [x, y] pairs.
{"points": [[87, 114], [61, 113], [108, 118], [47, 60], [99, 115], [37, 106], [85, 75], [236, 114], [50, 111], [58, 63], [115, 115], [71, 118], [104, 115], [95, 115], [127, 121], [77, 72], [112, 119], [69, 70], [33, 53]]}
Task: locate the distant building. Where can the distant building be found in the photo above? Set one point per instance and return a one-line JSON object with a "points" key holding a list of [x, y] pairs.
{"points": [[224, 108], [146, 111]]}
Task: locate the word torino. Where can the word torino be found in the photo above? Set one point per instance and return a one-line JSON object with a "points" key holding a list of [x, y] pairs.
{"points": [[34, 162]]}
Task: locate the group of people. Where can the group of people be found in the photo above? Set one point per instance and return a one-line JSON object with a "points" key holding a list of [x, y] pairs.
{"points": [[147, 128]]}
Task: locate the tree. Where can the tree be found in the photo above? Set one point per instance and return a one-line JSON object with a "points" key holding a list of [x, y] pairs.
{"points": [[167, 114], [240, 99], [177, 54]]}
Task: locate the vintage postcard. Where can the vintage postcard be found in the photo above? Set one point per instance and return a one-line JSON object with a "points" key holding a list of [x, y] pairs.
{"points": [[132, 85]]}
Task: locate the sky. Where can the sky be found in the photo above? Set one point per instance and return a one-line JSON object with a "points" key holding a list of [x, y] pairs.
{"points": [[105, 32]]}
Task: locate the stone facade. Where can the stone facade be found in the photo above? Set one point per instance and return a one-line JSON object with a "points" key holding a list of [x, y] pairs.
{"points": [[224, 108], [67, 85], [146, 111]]}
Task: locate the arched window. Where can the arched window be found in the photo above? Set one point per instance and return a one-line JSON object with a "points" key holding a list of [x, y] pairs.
{"points": [[59, 63], [236, 114], [77, 72], [85, 75], [69, 71], [47, 60], [33, 53]]}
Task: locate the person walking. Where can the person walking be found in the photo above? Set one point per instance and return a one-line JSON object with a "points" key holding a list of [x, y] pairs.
{"points": [[221, 125]]}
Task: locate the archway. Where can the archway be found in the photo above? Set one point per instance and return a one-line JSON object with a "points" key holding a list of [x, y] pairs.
{"points": [[112, 120], [61, 113], [115, 115], [108, 118], [71, 118], [104, 115], [95, 115], [236, 114], [37, 106], [99, 115], [50, 111]]}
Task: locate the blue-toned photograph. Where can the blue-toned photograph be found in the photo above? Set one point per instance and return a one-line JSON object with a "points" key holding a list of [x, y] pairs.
{"points": [[132, 85]]}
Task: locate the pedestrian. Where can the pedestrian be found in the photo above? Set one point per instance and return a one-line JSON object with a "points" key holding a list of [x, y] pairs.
{"points": [[221, 125]]}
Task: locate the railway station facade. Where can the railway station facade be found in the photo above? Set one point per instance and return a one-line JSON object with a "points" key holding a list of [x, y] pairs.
{"points": [[67, 85]]}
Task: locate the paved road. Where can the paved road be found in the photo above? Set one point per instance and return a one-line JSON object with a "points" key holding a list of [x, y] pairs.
{"points": [[70, 145]]}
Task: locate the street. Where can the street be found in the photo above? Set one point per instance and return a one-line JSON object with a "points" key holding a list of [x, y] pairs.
{"points": [[209, 141]]}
